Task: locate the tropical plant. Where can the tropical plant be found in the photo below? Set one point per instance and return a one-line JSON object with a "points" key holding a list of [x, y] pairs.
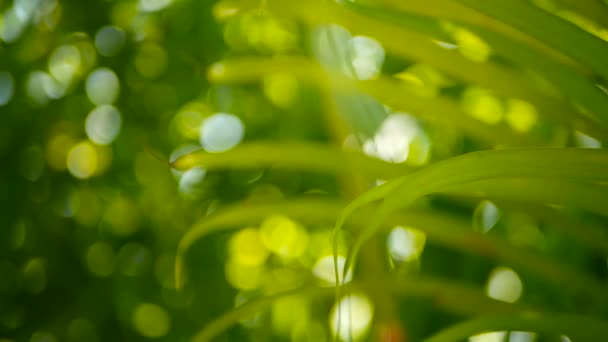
{"points": [[386, 170]]}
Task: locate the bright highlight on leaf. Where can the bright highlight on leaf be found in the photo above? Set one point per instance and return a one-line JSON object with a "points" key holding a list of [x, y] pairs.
{"points": [[351, 317], [221, 132], [505, 285], [405, 244]]}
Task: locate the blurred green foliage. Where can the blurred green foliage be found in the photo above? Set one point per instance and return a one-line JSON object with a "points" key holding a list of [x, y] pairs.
{"points": [[173, 170]]}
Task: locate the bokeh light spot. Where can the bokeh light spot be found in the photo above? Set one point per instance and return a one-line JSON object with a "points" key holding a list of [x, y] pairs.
{"points": [[151, 320], [331, 45], [57, 151], [191, 181], [495, 336], [398, 136], [288, 312], [244, 277], [109, 40], [504, 285], [103, 124], [153, 5], [42, 87], [583, 140], [102, 86], [324, 270], [34, 276], [122, 217], [469, 44], [522, 336], [351, 317], [482, 105], [521, 115], [284, 237], [12, 25], [281, 89], [485, 216], [7, 87], [187, 122], [65, 63], [151, 60], [221, 132], [100, 259], [83, 160], [35, 88], [405, 244], [367, 57], [276, 35], [246, 247]]}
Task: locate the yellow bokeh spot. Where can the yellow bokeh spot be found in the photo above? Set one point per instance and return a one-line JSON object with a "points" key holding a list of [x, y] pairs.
{"points": [[65, 63], [83, 160], [57, 151], [284, 237], [246, 247], [281, 89], [99, 258], [277, 36], [260, 31], [521, 115], [233, 35], [482, 105], [470, 45], [187, 122], [151, 320], [87, 50], [288, 312], [244, 277], [151, 60], [123, 13], [122, 216], [419, 149]]}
